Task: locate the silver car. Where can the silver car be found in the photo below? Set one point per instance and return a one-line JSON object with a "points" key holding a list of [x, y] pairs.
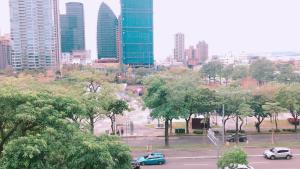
{"points": [[278, 152]]}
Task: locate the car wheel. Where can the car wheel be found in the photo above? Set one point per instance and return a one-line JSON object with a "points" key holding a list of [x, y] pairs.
{"points": [[288, 157], [142, 163], [272, 157], [160, 163]]}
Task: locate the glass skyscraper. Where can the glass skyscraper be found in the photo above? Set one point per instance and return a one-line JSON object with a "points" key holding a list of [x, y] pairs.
{"points": [[137, 32], [72, 28], [107, 33]]}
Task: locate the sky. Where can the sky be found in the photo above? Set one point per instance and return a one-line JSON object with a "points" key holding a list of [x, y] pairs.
{"points": [[226, 25]]}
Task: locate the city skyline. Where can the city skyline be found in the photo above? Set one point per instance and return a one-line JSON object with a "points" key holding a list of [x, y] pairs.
{"points": [[225, 26]]}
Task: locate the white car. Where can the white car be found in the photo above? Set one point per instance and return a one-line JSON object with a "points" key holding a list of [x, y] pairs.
{"points": [[278, 152], [240, 166]]}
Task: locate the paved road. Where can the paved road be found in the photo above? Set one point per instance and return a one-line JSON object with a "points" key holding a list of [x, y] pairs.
{"points": [[206, 160], [157, 141], [256, 162]]}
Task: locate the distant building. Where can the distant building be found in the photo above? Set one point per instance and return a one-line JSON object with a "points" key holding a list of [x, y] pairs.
{"points": [[35, 34], [202, 51], [137, 32], [193, 58], [179, 51], [107, 33], [72, 28], [79, 57], [5, 51]]}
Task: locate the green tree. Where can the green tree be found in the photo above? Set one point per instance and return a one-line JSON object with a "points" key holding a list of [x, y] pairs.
{"points": [[156, 99], [96, 105], [232, 157], [262, 70], [289, 98], [198, 101], [239, 72], [256, 102], [286, 73], [115, 107], [211, 70], [227, 73], [273, 108]]}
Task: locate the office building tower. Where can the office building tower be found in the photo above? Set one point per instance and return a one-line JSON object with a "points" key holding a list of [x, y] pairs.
{"points": [[179, 51], [72, 28], [137, 32], [107, 33], [34, 34]]}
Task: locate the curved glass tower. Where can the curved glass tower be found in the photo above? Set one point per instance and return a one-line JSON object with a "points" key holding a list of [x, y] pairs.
{"points": [[107, 33], [137, 32]]}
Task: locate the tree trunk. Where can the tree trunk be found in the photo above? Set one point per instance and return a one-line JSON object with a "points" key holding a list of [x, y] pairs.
{"points": [[237, 129], [276, 121], [296, 123], [167, 132], [241, 125], [187, 125], [112, 125], [187, 131], [92, 125], [171, 126]]}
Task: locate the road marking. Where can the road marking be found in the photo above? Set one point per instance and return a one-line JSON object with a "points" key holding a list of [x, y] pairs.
{"points": [[196, 164], [259, 162]]}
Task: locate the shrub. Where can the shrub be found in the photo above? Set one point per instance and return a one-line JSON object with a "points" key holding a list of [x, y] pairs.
{"points": [[198, 131], [231, 157], [275, 130], [288, 130], [179, 131]]}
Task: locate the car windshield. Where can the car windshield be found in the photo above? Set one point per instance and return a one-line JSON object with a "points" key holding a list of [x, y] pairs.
{"points": [[272, 150]]}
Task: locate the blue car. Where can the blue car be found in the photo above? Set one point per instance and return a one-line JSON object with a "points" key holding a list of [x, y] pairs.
{"points": [[152, 159]]}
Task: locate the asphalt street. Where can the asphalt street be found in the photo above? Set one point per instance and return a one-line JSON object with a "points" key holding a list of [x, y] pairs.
{"points": [[256, 162], [203, 159]]}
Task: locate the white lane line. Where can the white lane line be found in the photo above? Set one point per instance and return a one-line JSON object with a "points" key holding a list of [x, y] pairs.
{"points": [[196, 164], [259, 162]]}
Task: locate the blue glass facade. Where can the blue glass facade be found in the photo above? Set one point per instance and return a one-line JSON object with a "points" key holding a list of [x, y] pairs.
{"points": [[106, 33], [137, 32], [72, 28]]}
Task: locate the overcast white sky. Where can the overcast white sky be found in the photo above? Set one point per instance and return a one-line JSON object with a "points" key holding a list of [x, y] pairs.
{"points": [[227, 25]]}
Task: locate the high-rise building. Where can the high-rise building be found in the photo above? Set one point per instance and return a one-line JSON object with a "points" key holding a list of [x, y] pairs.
{"points": [[34, 34], [202, 51], [137, 32], [179, 50], [5, 51], [72, 28], [107, 33]]}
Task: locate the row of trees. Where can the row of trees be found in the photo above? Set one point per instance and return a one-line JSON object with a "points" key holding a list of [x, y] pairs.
{"points": [[262, 70], [172, 97]]}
